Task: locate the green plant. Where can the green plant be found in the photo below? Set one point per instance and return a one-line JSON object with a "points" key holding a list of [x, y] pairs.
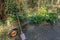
{"points": [[42, 15], [42, 11], [11, 9], [21, 17], [36, 19], [3, 22], [52, 17]]}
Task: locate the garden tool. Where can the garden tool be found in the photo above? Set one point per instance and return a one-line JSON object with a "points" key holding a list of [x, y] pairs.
{"points": [[22, 35]]}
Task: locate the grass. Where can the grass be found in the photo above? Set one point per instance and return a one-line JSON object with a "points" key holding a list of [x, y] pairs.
{"points": [[4, 30]]}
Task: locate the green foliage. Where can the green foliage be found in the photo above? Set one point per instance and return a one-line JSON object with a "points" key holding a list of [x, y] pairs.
{"points": [[12, 18], [43, 11], [3, 22], [36, 19], [11, 9], [52, 16], [58, 10], [21, 17], [42, 15]]}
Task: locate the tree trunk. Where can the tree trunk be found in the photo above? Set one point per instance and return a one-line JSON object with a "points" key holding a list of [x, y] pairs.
{"points": [[2, 10]]}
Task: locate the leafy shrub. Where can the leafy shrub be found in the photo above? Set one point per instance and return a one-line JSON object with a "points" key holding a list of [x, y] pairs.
{"points": [[3, 22], [42, 11], [52, 17], [42, 15], [11, 9], [36, 19], [38, 16], [21, 17]]}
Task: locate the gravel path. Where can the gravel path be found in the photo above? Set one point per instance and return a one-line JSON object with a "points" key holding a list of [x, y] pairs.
{"points": [[43, 32]]}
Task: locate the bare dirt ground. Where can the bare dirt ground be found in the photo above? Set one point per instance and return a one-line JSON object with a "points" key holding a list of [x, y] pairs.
{"points": [[43, 32]]}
